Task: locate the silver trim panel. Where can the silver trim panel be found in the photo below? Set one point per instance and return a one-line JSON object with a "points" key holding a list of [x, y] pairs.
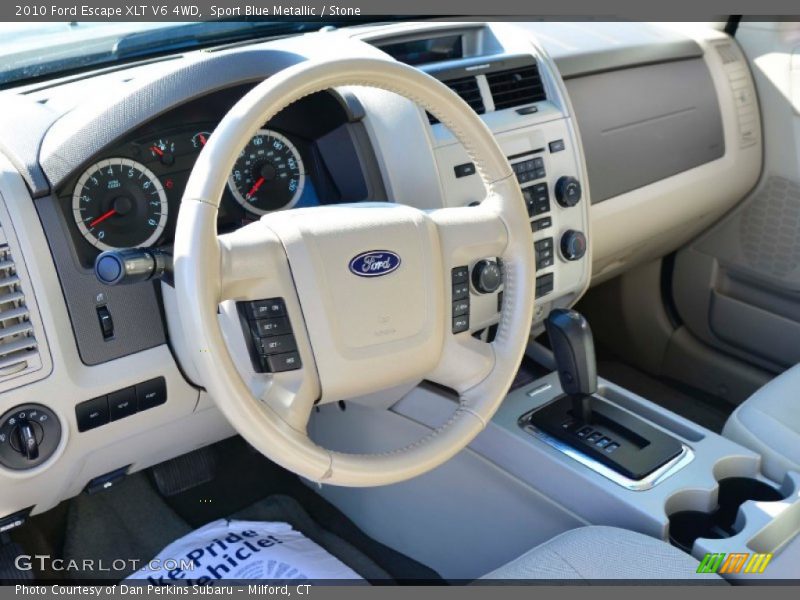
{"points": [[685, 457]]}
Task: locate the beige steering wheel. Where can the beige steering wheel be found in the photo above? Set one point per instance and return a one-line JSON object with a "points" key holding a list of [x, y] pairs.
{"points": [[354, 335]]}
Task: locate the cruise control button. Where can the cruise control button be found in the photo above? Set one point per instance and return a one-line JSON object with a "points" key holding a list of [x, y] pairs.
{"points": [[262, 309], [277, 363], [277, 344], [270, 327]]}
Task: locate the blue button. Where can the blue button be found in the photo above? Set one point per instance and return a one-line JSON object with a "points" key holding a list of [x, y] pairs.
{"points": [[108, 268]]}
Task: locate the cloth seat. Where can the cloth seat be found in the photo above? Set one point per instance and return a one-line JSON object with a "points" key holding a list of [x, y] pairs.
{"points": [[597, 553], [769, 423]]}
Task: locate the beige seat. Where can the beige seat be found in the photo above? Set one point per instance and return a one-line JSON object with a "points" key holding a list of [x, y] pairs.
{"points": [[769, 423], [602, 553]]}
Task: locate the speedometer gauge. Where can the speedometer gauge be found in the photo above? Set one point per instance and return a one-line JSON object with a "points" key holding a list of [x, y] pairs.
{"points": [[268, 175], [119, 203]]}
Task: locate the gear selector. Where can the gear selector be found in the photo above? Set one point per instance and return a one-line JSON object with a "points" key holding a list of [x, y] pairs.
{"points": [[573, 346], [588, 423]]}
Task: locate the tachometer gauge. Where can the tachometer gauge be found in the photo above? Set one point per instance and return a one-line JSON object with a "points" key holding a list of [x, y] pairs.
{"points": [[119, 203], [268, 175]]}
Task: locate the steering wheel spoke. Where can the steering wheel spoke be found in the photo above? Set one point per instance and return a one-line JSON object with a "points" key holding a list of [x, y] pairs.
{"points": [[262, 322], [467, 236]]}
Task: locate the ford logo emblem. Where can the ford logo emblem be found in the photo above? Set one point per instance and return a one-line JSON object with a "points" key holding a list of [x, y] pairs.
{"points": [[374, 263]]}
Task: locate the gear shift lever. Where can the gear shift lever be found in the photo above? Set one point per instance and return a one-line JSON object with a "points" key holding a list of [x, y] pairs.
{"points": [[573, 347]]}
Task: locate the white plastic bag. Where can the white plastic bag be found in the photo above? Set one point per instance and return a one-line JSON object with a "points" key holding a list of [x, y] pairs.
{"points": [[244, 551]]}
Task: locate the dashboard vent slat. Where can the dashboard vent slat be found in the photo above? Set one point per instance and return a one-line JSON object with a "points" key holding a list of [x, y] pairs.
{"points": [[467, 88], [515, 87], [18, 345]]}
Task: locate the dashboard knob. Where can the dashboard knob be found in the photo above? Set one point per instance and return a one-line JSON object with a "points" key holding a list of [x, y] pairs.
{"points": [[29, 435], [26, 438], [568, 191], [487, 276], [573, 244]]}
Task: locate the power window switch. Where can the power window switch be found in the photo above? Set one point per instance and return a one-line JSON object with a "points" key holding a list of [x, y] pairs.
{"points": [[106, 322]]}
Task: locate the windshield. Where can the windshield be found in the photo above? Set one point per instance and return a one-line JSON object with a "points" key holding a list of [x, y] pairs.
{"points": [[30, 51]]}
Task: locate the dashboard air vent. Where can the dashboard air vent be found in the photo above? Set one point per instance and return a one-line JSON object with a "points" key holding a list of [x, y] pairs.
{"points": [[18, 346], [467, 88], [514, 87]]}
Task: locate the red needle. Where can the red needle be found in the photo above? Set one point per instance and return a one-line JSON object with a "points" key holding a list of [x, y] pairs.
{"points": [[202, 139], [103, 217], [157, 150], [255, 187]]}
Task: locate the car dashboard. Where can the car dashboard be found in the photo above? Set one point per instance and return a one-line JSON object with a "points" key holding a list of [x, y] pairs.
{"points": [[99, 162]]}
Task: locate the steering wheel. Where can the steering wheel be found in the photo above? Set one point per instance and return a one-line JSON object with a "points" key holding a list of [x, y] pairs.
{"points": [[355, 335]]}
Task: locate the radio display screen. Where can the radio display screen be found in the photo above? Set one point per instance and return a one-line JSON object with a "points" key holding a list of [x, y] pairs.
{"points": [[419, 52]]}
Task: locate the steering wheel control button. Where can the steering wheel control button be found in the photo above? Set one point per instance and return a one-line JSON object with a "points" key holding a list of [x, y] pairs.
{"points": [[464, 170], [573, 245], [269, 327], [122, 403], [277, 363], [262, 309], [150, 394], [461, 307], [460, 275], [459, 278], [544, 253], [29, 435], [269, 337], [568, 191], [487, 276], [544, 284], [92, 413], [461, 324], [277, 344]]}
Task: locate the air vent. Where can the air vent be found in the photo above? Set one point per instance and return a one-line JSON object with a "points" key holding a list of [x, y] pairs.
{"points": [[18, 347], [467, 88], [514, 87]]}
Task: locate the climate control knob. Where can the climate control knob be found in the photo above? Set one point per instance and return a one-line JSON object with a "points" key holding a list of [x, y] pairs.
{"points": [[487, 276], [568, 191], [573, 245]]}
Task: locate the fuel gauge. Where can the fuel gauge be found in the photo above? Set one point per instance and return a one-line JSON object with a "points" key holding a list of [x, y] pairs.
{"points": [[164, 150]]}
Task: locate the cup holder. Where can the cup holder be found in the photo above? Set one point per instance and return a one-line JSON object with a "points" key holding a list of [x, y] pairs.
{"points": [[686, 526]]}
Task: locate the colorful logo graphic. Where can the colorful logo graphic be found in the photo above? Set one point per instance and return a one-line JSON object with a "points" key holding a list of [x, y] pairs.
{"points": [[734, 562]]}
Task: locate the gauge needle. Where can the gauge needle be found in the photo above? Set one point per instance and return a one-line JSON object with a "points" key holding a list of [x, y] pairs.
{"points": [[255, 187], [157, 150], [103, 217], [202, 139]]}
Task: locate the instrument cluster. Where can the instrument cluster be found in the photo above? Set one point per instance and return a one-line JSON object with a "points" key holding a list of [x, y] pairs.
{"points": [[130, 198]]}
